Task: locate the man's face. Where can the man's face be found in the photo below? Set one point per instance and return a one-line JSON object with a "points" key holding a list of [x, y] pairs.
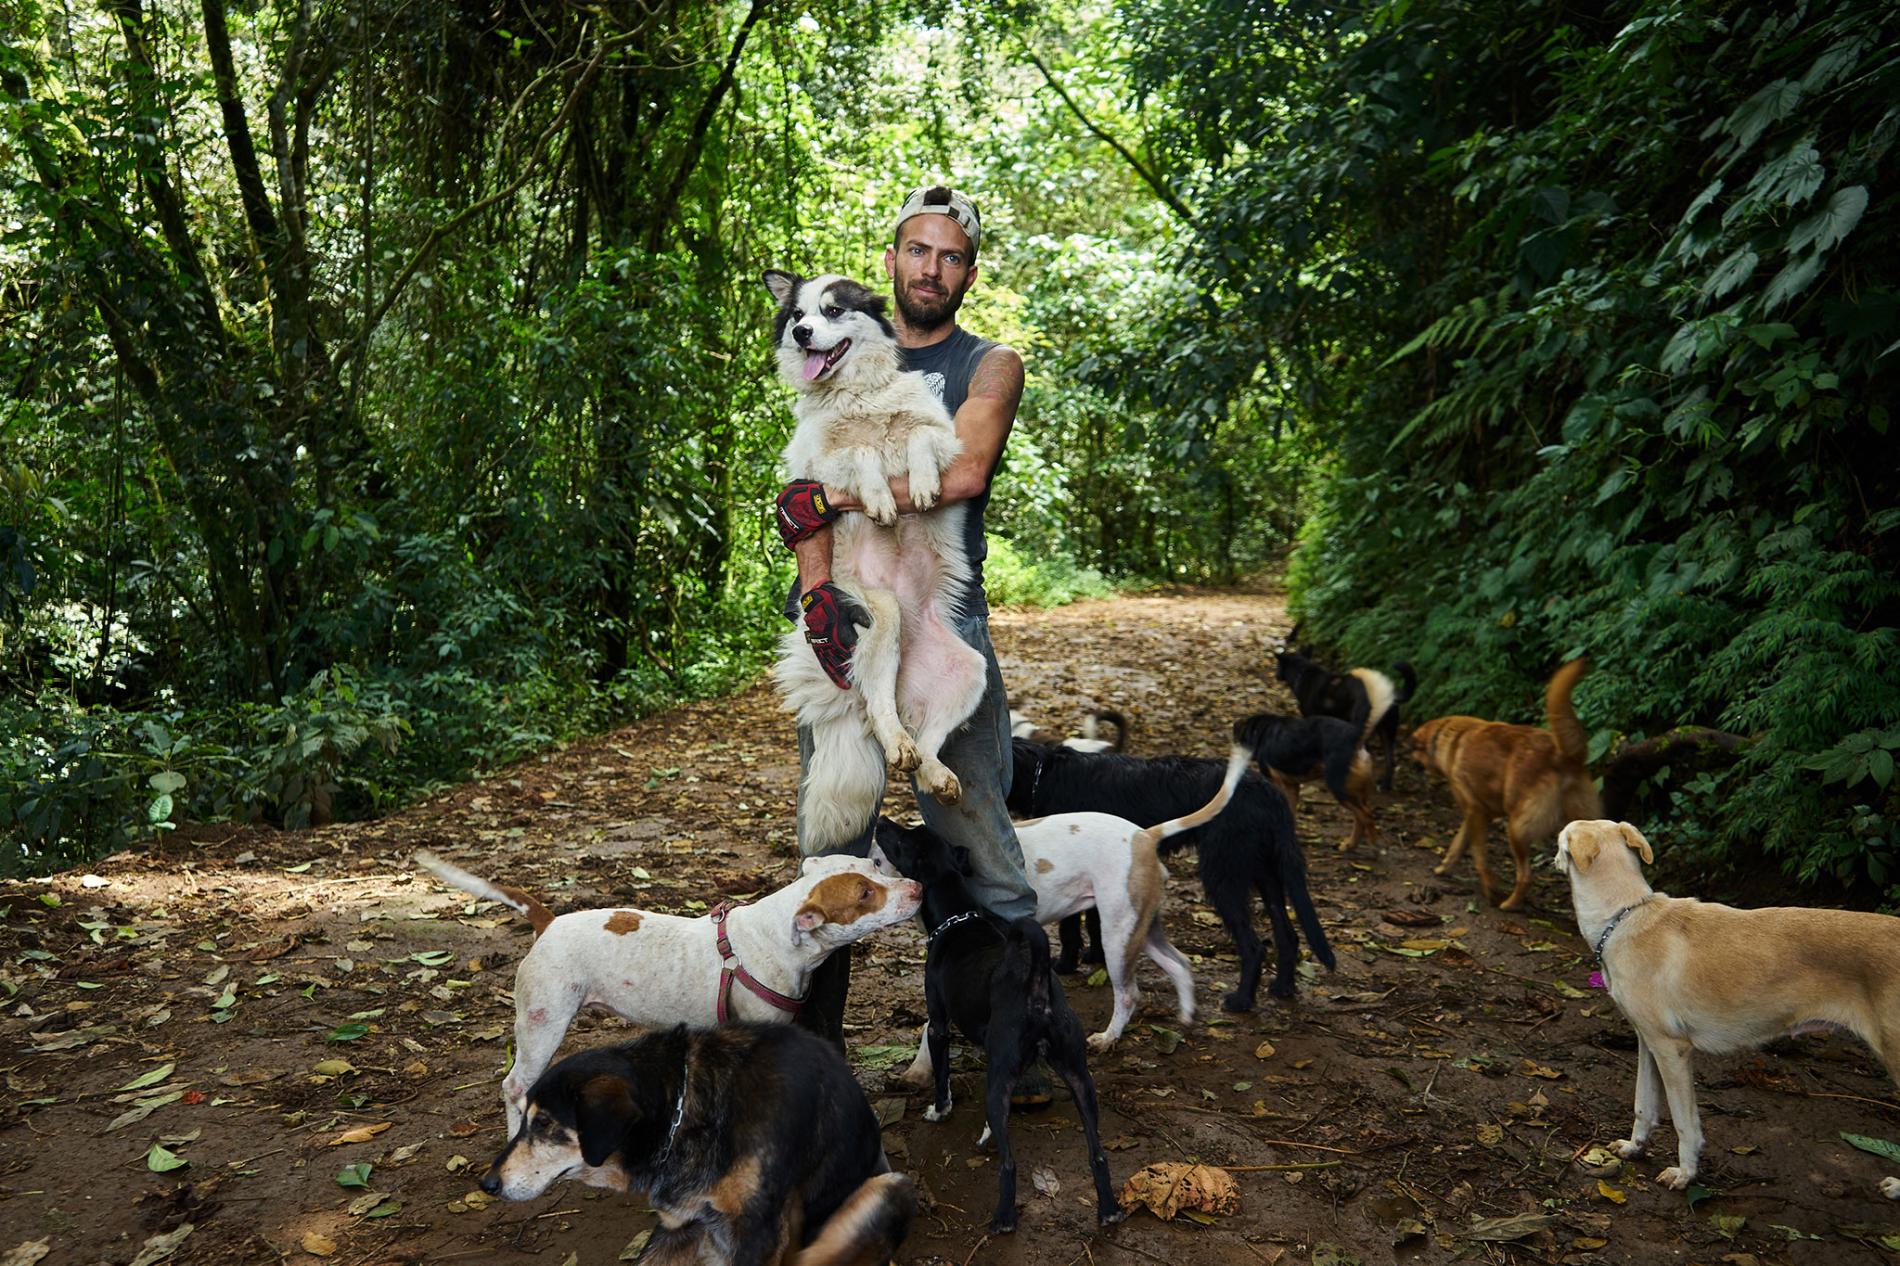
{"points": [[930, 270]]}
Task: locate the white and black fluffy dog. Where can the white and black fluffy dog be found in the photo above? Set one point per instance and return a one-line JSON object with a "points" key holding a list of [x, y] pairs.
{"points": [[863, 422]]}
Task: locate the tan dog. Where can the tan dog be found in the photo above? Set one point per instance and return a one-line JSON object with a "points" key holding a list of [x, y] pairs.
{"points": [[1532, 778], [1692, 975]]}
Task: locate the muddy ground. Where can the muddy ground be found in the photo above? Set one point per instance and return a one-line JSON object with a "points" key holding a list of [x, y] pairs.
{"points": [[279, 1011]]}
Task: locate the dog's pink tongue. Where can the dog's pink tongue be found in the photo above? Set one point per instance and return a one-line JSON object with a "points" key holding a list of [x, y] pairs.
{"points": [[814, 365]]}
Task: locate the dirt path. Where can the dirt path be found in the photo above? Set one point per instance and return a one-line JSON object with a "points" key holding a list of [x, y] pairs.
{"points": [[280, 993]]}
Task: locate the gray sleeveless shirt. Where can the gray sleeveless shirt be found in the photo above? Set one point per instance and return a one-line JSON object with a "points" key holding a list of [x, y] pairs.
{"points": [[947, 368]]}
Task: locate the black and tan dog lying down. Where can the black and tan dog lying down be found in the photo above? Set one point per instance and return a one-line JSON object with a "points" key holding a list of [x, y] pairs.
{"points": [[1249, 848], [753, 1142]]}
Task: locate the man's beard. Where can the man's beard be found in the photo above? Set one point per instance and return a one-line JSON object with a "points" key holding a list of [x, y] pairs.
{"points": [[927, 311]]}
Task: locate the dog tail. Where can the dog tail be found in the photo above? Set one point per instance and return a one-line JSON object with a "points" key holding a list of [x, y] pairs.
{"points": [[1410, 678], [1293, 883], [1237, 762], [1572, 742], [844, 780], [1035, 943], [515, 899], [1115, 719], [1380, 696]]}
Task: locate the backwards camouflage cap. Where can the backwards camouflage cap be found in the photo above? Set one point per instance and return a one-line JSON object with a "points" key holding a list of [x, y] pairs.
{"points": [[943, 200]]}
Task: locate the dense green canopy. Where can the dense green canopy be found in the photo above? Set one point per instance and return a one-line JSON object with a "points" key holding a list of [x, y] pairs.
{"points": [[389, 393]]}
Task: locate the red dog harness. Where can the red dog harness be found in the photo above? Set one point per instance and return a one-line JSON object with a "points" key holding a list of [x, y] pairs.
{"points": [[732, 968]]}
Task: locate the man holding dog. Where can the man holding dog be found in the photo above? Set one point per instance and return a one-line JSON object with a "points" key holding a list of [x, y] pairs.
{"points": [[931, 263]]}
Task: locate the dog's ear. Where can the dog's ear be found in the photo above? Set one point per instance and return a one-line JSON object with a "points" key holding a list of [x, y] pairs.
{"points": [[810, 917], [601, 1117], [1634, 838], [1580, 847], [781, 284]]}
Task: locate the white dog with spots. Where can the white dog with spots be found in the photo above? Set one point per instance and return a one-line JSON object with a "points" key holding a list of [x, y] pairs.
{"points": [[662, 969], [863, 422]]}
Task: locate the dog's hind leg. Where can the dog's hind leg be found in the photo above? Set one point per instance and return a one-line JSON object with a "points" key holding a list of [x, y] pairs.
{"points": [[1173, 965], [1672, 1056], [876, 659], [1232, 901], [918, 1074], [1068, 1057], [867, 1228], [1070, 932], [1649, 1102], [1125, 930], [996, 1106], [1521, 861]]}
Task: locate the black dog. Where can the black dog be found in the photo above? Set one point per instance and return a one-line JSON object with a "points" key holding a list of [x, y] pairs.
{"points": [[1364, 698], [991, 977], [753, 1142], [1292, 750], [1249, 848]]}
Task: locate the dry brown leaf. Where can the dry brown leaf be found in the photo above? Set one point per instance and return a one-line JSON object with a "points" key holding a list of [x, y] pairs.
{"points": [[1170, 1187], [318, 1245], [361, 1134]]}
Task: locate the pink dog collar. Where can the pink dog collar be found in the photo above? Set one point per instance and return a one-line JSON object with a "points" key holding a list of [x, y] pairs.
{"points": [[734, 968]]}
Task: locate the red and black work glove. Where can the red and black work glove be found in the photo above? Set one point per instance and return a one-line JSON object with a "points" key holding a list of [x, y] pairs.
{"points": [[802, 510], [831, 626]]}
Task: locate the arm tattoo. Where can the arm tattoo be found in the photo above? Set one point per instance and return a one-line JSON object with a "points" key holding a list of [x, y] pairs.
{"points": [[999, 375]]}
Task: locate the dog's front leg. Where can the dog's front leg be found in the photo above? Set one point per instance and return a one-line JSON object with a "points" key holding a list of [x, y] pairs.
{"points": [[924, 456], [1672, 1058], [937, 1047], [1648, 1103], [873, 486]]}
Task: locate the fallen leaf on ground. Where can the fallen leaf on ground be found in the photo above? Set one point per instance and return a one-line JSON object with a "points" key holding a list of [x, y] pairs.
{"points": [[162, 1160], [1515, 1227], [1263, 1051], [149, 1079], [361, 1134], [318, 1245], [1531, 1068], [1170, 1187], [26, 1254], [1615, 1195], [159, 1247], [1879, 1147], [1044, 1180], [635, 1246]]}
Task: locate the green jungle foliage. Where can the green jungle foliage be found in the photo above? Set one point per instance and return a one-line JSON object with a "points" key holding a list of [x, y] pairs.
{"points": [[389, 394], [1594, 309]]}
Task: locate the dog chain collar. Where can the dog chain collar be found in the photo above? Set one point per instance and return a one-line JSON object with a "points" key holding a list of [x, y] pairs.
{"points": [[950, 922], [1603, 937], [679, 1108], [731, 968]]}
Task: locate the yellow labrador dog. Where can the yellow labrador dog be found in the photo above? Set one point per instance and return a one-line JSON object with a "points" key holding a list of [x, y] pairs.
{"points": [[1693, 975]]}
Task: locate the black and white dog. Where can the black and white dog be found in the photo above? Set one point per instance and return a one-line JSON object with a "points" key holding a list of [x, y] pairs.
{"points": [[863, 422], [1365, 698], [754, 1143], [992, 979], [1249, 848]]}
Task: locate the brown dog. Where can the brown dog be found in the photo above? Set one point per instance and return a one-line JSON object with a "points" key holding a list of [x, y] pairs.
{"points": [[1532, 778], [1696, 976]]}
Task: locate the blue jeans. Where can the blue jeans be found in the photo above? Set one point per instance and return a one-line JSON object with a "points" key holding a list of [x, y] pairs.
{"points": [[979, 755]]}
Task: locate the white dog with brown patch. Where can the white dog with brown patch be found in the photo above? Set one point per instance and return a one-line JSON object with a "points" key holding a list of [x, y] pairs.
{"points": [[863, 422], [662, 969], [1693, 975]]}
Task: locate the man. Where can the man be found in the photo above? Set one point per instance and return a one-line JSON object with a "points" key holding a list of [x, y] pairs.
{"points": [[931, 263]]}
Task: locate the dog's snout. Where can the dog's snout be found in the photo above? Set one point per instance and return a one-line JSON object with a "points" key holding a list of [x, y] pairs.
{"points": [[801, 335], [491, 1181]]}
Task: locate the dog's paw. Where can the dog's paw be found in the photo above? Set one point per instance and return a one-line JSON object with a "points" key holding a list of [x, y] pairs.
{"points": [[925, 489], [1890, 1188], [1512, 902], [934, 1113], [1441, 868], [1676, 1178], [880, 508], [1109, 1217], [983, 1139], [917, 1076], [1239, 1002], [1345, 844], [1003, 1226], [1628, 1149], [940, 782], [903, 756], [1099, 1042]]}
